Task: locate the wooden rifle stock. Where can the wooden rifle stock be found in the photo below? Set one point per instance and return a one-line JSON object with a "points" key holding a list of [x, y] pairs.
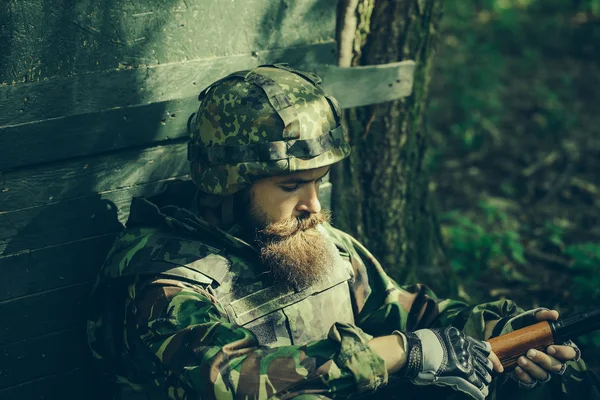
{"points": [[511, 346]]}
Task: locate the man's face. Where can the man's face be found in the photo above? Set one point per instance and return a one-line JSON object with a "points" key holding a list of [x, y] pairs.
{"points": [[285, 197], [283, 212]]}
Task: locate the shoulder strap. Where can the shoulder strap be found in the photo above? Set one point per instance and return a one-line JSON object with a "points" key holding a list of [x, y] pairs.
{"points": [[192, 258], [158, 253]]}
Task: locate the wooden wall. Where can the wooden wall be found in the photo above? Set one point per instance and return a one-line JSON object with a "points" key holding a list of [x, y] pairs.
{"points": [[94, 100]]}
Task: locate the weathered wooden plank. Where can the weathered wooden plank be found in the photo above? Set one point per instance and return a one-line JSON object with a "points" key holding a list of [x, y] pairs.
{"points": [[79, 383], [38, 314], [52, 267], [67, 221], [371, 84], [88, 93], [87, 134], [42, 356], [61, 222], [45, 39], [45, 184]]}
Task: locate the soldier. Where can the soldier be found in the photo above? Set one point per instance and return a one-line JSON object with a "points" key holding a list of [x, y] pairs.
{"points": [[235, 285]]}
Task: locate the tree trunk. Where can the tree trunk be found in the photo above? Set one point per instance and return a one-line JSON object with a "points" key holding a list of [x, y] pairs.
{"points": [[380, 193]]}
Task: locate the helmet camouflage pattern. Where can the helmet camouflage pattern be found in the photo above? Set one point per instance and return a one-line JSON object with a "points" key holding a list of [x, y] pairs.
{"points": [[268, 121]]}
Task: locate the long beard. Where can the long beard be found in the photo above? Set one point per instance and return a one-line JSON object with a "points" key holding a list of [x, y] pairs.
{"points": [[295, 251]]}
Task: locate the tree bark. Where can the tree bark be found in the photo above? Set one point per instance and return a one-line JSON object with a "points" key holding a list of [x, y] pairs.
{"points": [[380, 193]]}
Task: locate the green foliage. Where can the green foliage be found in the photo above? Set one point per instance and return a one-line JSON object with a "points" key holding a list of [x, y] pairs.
{"points": [[511, 111], [592, 6], [555, 234], [475, 247], [586, 263], [496, 59]]}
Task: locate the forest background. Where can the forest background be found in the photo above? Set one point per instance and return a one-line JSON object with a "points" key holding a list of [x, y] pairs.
{"points": [[514, 157]]}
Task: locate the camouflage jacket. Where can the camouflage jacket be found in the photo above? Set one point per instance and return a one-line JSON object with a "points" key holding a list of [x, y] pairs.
{"points": [[185, 310]]}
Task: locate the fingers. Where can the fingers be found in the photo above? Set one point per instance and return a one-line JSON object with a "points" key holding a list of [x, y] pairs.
{"points": [[546, 315], [523, 376], [545, 361], [483, 346], [537, 364], [563, 353], [483, 374], [497, 365], [492, 358], [533, 371]]}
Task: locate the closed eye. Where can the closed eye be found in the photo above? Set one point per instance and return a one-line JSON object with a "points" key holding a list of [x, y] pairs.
{"points": [[290, 189]]}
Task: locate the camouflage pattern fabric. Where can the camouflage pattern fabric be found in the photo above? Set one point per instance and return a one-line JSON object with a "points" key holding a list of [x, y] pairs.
{"points": [[271, 120], [171, 329]]}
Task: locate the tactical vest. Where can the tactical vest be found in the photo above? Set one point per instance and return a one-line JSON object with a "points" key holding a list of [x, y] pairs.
{"points": [[277, 314]]}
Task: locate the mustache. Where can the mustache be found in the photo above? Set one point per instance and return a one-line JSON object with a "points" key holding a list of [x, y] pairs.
{"points": [[292, 226]]}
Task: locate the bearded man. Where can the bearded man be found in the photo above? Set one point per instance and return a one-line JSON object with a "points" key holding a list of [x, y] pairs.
{"points": [[235, 284]]}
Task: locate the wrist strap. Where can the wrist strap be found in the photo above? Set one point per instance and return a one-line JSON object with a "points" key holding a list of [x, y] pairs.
{"points": [[414, 354], [404, 341]]}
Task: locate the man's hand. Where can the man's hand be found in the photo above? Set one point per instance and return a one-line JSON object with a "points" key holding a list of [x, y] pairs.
{"points": [[538, 365], [447, 357]]}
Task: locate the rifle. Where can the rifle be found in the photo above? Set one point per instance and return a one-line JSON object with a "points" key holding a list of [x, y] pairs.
{"points": [[511, 346]]}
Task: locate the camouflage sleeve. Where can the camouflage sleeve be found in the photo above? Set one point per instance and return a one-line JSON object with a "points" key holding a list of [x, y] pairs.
{"points": [[195, 352], [384, 306]]}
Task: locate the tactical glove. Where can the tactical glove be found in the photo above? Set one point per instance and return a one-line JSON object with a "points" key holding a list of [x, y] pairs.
{"points": [[447, 357]]}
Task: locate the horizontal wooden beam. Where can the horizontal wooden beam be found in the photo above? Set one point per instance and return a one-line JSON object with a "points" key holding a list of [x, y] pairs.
{"points": [[51, 38], [71, 220], [44, 355], [88, 134], [53, 267], [41, 185], [88, 93], [78, 383], [371, 84], [39, 314]]}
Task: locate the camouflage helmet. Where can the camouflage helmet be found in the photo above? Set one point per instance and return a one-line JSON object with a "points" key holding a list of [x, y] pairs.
{"points": [[271, 120]]}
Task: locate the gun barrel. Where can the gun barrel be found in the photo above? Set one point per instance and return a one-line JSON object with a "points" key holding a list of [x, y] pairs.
{"points": [[580, 324]]}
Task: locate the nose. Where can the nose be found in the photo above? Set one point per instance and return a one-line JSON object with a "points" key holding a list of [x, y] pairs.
{"points": [[310, 200]]}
